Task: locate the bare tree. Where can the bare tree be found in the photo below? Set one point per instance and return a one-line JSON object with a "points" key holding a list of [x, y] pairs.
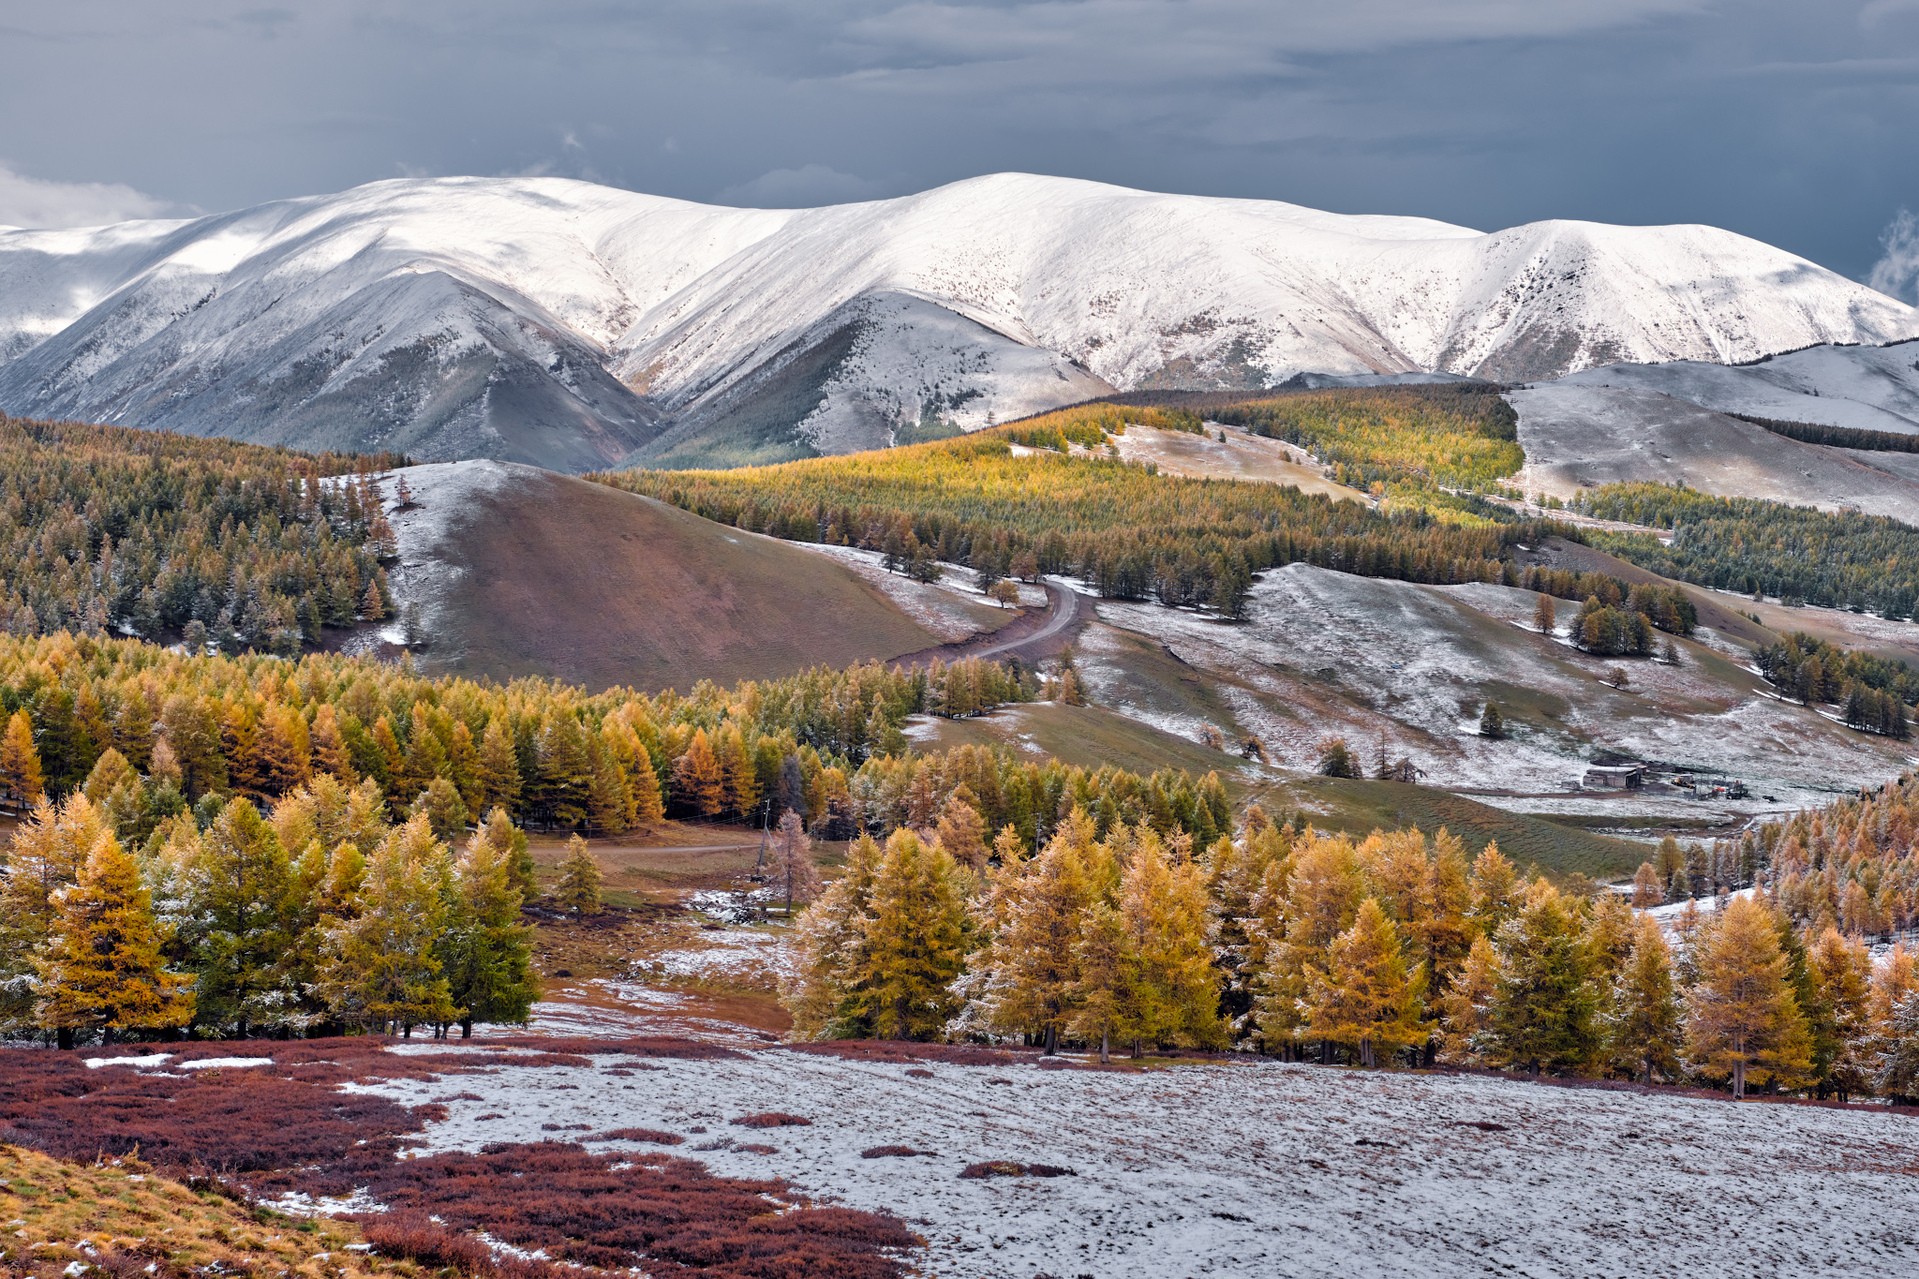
{"points": [[790, 870]]}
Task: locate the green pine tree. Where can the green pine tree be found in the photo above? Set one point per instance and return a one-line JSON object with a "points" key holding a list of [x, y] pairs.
{"points": [[487, 951]]}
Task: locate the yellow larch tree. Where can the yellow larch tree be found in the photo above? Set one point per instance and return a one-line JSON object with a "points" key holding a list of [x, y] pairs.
{"points": [[103, 971], [1742, 1016], [1364, 998], [1163, 908], [22, 782]]}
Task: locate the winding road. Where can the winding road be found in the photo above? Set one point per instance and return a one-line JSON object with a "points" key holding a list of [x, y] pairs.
{"points": [[1039, 635]]}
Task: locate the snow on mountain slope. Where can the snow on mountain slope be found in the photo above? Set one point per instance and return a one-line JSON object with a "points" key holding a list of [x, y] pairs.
{"points": [[1580, 436], [1870, 388], [569, 324]]}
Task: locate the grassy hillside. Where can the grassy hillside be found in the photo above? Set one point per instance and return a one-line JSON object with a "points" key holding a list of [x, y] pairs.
{"points": [[122, 1219], [1090, 737], [577, 581], [1360, 807]]}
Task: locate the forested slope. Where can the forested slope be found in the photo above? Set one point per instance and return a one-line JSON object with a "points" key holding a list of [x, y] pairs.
{"points": [[109, 529]]}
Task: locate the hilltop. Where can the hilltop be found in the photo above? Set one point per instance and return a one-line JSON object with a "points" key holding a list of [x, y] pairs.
{"points": [[516, 571], [578, 326]]}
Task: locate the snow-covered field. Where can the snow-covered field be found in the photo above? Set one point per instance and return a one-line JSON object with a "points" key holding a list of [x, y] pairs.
{"points": [[1260, 1169], [1870, 388], [1577, 435], [1327, 653]]}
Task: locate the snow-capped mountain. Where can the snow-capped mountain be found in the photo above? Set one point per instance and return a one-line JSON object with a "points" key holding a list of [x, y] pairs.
{"points": [[576, 325]]}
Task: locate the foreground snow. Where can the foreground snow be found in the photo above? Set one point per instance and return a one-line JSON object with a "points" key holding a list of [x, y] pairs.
{"points": [[1260, 1169]]}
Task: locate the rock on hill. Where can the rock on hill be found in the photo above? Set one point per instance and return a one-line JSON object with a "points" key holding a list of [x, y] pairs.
{"points": [[574, 325]]}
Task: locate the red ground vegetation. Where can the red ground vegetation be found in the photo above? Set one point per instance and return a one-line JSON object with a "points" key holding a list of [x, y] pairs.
{"points": [[240, 1124], [894, 1152], [615, 1211], [261, 1131], [653, 1136], [772, 1119], [412, 1236]]}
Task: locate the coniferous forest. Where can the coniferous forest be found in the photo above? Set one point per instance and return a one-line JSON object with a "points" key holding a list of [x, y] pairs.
{"points": [[110, 530], [256, 830], [1393, 949], [1799, 554]]}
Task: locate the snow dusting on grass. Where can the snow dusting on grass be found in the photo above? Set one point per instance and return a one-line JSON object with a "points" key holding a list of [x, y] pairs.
{"points": [[953, 608], [1260, 1168], [1326, 653], [739, 956]]}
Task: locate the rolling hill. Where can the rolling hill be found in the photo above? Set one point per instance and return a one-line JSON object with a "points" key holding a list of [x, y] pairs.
{"points": [[1706, 426], [577, 326], [517, 571]]}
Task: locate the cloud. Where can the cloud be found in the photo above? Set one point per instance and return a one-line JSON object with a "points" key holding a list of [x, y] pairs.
{"points": [[1897, 271], [805, 187], [38, 202]]}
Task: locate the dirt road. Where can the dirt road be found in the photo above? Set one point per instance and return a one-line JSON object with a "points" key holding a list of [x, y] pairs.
{"points": [[1029, 639]]}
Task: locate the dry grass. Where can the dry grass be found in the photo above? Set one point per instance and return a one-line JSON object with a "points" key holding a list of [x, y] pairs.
{"points": [[120, 1218], [772, 1119], [594, 586]]}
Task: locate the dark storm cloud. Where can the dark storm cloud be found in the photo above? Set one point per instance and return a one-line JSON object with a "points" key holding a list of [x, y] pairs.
{"points": [[1784, 119]]}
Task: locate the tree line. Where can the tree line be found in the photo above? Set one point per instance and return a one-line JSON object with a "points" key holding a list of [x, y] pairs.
{"points": [[1835, 559], [319, 916], [1004, 507], [1872, 692], [111, 530], [1392, 949], [188, 732], [1842, 437]]}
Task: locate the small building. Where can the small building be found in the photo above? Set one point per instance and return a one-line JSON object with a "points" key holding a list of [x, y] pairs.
{"points": [[1615, 777]]}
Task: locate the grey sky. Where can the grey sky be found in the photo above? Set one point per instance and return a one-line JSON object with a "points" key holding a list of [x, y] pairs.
{"points": [[1790, 120]]}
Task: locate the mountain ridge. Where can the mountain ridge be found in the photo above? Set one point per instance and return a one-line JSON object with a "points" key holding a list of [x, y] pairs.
{"points": [[566, 324]]}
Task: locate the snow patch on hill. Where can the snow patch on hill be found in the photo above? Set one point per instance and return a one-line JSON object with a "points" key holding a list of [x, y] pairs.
{"points": [[1868, 388], [1578, 435], [1327, 654]]}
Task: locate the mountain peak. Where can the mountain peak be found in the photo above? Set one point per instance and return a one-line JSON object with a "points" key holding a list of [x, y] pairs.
{"points": [[611, 315]]}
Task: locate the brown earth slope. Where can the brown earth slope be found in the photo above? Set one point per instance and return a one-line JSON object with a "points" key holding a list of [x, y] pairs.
{"points": [[518, 571]]}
